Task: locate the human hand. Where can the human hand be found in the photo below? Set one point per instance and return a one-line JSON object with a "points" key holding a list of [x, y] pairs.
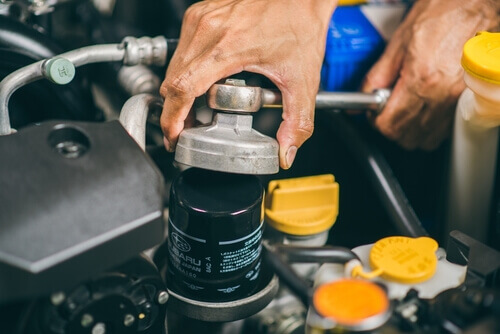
{"points": [[283, 40], [422, 61]]}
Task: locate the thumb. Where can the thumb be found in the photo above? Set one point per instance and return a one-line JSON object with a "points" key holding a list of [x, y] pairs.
{"points": [[298, 122]]}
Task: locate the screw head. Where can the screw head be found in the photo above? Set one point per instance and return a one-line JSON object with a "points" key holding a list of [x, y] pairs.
{"points": [[71, 149], [57, 298], [128, 320], [162, 297], [99, 328], [235, 82], [87, 320]]}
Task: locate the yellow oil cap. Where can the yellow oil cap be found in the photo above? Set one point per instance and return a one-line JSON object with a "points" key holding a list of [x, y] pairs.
{"points": [[481, 56], [302, 206], [350, 302], [405, 260]]}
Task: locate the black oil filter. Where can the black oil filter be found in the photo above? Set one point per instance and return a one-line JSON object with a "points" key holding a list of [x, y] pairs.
{"points": [[214, 235]]}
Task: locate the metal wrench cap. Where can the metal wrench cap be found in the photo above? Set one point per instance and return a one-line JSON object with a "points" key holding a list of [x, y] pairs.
{"points": [[234, 96]]}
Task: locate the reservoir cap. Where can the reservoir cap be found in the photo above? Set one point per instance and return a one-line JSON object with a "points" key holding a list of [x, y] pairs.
{"points": [[405, 260], [481, 57], [352, 302], [303, 206]]}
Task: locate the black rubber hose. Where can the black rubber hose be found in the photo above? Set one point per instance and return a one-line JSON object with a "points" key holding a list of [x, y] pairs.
{"points": [[378, 172], [17, 36], [325, 254], [287, 275]]}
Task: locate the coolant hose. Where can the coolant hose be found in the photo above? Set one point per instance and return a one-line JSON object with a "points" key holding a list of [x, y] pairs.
{"points": [[297, 285], [324, 254], [379, 173]]}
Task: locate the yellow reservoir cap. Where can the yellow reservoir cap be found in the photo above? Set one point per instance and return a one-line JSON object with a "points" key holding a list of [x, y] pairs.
{"points": [[302, 206], [481, 57], [349, 302], [351, 2], [405, 260]]}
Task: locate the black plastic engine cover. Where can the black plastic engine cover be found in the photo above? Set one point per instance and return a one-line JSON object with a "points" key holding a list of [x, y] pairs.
{"points": [[75, 199]]}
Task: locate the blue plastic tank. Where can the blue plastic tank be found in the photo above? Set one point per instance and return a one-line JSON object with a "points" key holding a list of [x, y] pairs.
{"points": [[353, 45]]}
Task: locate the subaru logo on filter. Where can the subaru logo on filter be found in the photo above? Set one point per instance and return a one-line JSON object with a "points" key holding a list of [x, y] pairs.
{"points": [[180, 243]]}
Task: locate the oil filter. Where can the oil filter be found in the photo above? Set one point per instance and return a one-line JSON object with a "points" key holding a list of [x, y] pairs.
{"points": [[214, 235]]}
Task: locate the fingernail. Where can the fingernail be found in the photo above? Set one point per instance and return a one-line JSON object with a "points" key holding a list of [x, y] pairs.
{"points": [[290, 155]]}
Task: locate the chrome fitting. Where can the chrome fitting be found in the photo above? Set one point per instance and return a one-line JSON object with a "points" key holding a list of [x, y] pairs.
{"points": [[145, 50]]}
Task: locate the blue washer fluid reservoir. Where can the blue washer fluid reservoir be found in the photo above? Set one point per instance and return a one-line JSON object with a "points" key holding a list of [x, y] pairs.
{"points": [[356, 38]]}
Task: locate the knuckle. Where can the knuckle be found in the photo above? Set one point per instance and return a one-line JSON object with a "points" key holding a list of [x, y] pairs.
{"points": [[163, 90], [390, 131], [374, 79], [210, 22], [456, 90], [178, 86], [428, 76], [407, 145], [305, 128], [218, 54], [191, 15]]}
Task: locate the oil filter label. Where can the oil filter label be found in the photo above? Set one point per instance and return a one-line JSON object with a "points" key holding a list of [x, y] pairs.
{"points": [[212, 264], [240, 253]]}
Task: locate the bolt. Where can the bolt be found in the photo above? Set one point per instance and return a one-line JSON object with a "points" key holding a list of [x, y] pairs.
{"points": [[57, 298], [474, 298], [87, 320], [70, 149], [128, 320], [99, 328], [163, 297], [235, 82]]}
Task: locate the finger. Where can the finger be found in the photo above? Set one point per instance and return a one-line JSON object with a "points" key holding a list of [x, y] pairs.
{"points": [[440, 130], [386, 70], [186, 82], [297, 125], [412, 136], [401, 110], [182, 85]]}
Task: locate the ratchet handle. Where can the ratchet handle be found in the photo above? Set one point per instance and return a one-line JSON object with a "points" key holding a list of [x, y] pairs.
{"points": [[375, 101], [235, 96]]}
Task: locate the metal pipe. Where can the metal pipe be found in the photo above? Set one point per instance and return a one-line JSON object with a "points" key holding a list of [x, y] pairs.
{"points": [[35, 71], [353, 101], [235, 95], [335, 100], [138, 79], [134, 115], [131, 51]]}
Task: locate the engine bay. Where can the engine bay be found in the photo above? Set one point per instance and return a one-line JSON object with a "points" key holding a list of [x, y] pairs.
{"points": [[102, 231]]}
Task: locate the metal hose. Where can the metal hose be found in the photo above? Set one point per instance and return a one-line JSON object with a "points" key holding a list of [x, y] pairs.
{"points": [[134, 115], [131, 51]]}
